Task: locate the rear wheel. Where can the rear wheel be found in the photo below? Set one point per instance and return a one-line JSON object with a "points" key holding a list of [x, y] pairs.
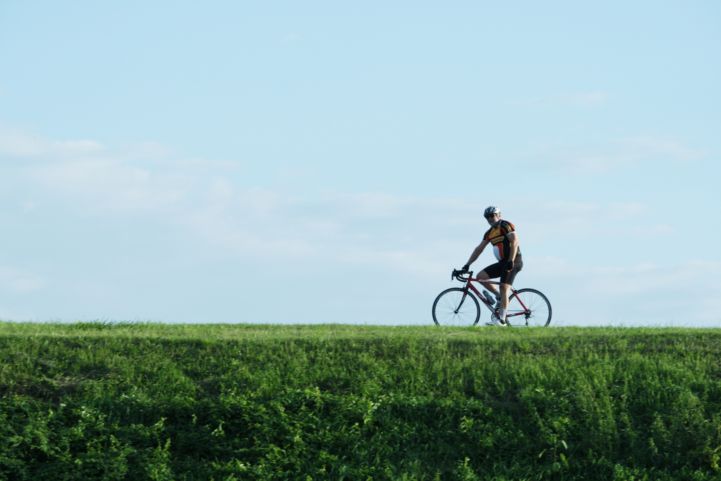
{"points": [[528, 307], [456, 307]]}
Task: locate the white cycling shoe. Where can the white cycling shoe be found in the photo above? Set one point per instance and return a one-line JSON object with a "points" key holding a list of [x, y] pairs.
{"points": [[496, 321]]}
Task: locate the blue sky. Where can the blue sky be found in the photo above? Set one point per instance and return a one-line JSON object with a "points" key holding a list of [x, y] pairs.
{"points": [[328, 162]]}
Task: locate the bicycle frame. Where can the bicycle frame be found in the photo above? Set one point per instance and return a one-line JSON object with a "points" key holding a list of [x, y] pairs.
{"points": [[469, 286]]}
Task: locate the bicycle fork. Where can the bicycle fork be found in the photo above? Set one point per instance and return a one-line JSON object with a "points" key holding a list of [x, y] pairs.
{"points": [[463, 299], [483, 301]]}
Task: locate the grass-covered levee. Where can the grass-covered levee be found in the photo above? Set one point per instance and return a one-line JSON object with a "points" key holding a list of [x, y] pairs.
{"points": [[248, 402]]}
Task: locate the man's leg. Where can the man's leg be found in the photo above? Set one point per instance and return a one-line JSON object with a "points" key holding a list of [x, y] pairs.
{"points": [[504, 302], [507, 279], [504, 295], [483, 276]]}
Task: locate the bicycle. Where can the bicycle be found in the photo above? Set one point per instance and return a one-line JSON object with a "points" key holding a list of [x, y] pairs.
{"points": [[526, 307]]}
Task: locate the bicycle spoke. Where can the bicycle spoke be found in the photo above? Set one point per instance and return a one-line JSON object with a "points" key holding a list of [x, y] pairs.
{"points": [[452, 309], [529, 307]]}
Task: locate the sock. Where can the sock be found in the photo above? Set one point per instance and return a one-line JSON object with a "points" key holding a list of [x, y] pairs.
{"points": [[502, 314]]}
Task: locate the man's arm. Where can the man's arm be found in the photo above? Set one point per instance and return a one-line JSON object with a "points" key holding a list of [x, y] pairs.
{"points": [[513, 241], [476, 253]]}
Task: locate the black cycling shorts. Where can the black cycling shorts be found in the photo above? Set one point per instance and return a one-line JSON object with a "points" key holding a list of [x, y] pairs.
{"points": [[499, 270]]}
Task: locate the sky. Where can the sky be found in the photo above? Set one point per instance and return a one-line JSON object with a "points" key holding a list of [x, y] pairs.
{"points": [[329, 162]]}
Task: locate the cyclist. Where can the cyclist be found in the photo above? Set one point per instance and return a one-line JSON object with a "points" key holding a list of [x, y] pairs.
{"points": [[502, 235]]}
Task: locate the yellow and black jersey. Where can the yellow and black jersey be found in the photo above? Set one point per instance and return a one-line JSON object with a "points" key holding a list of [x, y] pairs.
{"points": [[497, 236]]}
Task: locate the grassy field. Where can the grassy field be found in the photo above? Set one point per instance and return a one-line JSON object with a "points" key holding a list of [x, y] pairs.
{"points": [[235, 402]]}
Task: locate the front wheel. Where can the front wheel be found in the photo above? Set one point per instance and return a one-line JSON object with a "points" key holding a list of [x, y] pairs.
{"points": [[528, 307], [456, 307]]}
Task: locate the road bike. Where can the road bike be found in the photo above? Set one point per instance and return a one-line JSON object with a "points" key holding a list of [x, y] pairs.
{"points": [[459, 306]]}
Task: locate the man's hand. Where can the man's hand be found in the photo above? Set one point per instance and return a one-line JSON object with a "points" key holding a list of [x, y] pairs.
{"points": [[509, 265], [466, 268]]}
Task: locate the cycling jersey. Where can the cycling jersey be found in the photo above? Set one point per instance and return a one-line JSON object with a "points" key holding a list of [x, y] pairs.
{"points": [[497, 236]]}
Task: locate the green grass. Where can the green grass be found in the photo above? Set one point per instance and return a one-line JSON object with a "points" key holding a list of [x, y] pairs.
{"points": [[236, 402]]}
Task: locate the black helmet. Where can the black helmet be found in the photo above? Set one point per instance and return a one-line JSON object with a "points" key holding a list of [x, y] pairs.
{"points": [[490, 210]]}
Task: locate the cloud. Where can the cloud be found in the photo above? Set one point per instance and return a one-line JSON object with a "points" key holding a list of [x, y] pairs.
{"points": [[424, 235], [582, 223], [7, 314], [624, 280], [658, 147], [93, 176], [215, 213], [649, 277], [410, 233], [147, 177], [18, 144], [368, 228], [584, 210], [640, 293], [616, 155], [590, 98], [108, 184], [585, 99], [18, 281]]}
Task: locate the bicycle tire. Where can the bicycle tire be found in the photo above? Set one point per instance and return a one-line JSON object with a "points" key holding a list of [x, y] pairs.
{"points": [[451, 308], [539, 309]]}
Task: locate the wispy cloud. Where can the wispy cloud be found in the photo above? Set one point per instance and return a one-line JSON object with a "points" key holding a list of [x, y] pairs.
{"points": [[627, 280], [589, 98], [94, 176], [363, 227], [639, 293], [19, 281], [242, 221], [651, 147], [105, 183], [418, 236], [333, 228], [615, 155], [19, 144], [583, 222]]}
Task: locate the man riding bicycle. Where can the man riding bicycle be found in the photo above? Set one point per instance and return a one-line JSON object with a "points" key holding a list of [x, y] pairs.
{"points": [[502, 235]]}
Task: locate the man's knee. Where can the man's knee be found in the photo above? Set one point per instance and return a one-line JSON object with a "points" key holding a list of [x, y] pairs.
{"points": [[482, 276]]}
